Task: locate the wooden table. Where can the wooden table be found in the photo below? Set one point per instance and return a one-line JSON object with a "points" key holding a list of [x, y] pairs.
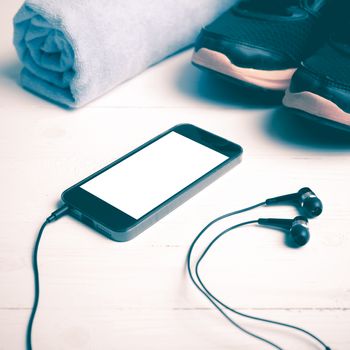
{"points": [[98, 294]]}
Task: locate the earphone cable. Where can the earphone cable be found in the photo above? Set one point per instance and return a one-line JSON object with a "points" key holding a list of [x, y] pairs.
{"points": [[53, 217], [211, 223], [236, 311], [36, 285], [213, 302], [189, 255]]}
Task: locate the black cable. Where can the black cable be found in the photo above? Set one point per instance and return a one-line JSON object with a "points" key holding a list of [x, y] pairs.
{"points": [[212, 223], [238, 312], [213, 301], [189, 255], [202, 288], [36, 285], [53, 217]]}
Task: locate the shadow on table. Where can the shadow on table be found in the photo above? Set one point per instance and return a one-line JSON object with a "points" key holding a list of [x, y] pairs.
{"points": [[214, 89], [291, 128], [281, 124], [10, 70]]}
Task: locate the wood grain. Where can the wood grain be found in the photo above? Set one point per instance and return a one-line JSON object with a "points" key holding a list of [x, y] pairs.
{"points": [[97, 294]]}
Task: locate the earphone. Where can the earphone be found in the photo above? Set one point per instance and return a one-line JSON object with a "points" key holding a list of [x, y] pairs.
{"points": [[305, 199], [297, 230]]}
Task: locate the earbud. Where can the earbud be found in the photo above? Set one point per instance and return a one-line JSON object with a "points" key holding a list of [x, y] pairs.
{"points": [[297, 228], [305, 198], [311, 204]]}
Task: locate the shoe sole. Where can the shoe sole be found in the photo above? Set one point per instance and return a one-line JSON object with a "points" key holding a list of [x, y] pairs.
{"points": [[276, 80], [319, 107]]}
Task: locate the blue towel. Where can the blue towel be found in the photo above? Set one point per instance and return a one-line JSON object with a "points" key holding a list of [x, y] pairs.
{"points": [[73, 51]]}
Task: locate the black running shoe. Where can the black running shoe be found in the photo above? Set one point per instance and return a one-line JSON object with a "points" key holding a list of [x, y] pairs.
{"points": [[321, 86], [261, 43]]}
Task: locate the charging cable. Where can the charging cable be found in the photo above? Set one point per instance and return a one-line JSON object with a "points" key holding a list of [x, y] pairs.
{"points": [[53, 217]]}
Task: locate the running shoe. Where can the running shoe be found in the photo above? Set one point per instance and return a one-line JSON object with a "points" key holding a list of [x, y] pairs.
{"points": [[260, 43], [321, 86]]}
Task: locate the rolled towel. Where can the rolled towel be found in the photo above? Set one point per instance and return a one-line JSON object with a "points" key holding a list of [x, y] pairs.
{"points": [[73, 51]]}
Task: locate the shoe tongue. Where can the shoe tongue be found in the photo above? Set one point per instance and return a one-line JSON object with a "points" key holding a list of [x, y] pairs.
{"points": [[271, 7]]}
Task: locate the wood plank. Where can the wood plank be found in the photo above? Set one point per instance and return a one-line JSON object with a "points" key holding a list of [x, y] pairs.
{"points": [[150, 328]]}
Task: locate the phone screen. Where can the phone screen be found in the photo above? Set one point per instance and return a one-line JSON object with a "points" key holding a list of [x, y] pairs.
{"points": [[149, 177]]}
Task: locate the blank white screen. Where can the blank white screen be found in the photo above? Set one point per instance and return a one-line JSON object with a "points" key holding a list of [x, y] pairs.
{"points": [[149, 177]]}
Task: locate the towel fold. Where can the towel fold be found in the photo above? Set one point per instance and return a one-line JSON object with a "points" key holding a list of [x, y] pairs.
{"points": [[73, 51]]}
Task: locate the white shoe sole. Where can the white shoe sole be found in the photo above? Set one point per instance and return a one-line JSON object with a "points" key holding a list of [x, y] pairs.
{"points": [[266, 79], [316, 105]]}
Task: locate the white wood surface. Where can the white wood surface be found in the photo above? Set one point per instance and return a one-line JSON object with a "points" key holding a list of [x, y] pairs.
{"points": [[97, 294]]}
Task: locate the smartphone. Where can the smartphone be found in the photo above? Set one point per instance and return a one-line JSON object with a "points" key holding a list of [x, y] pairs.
{"points": [[132, 193]]}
